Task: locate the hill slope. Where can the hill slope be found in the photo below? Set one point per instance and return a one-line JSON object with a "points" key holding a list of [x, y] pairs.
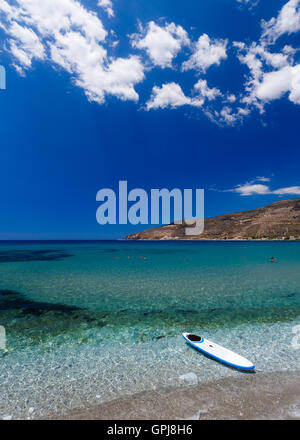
{"points": [[280, 220]]}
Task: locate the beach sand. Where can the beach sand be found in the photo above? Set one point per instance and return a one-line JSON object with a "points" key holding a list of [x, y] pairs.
{"points": [[251, 396]]}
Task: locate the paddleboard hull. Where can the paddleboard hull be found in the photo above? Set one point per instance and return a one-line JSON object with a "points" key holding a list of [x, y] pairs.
{"points": [[220, 353]]}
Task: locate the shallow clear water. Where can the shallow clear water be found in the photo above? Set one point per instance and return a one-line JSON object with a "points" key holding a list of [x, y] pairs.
{"points": [[87, 322]]}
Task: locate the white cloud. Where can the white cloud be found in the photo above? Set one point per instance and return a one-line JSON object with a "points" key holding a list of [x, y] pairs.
{"points": [[68, 35], [204, 91], [256, 56], [287, 22], [249, 190], [231, 98], [25, 45], [171, 95], [52, 16], [249, 3], [290, 190], [253, 188], [206, 53], [243, 111], [272, 74], [162, 44], [227, 115], [107, 6], [275, 84], [258, 189], [263, 179]]}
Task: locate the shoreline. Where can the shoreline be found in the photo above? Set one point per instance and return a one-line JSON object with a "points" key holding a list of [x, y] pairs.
{"points": [[253, 396], [251, 240]]}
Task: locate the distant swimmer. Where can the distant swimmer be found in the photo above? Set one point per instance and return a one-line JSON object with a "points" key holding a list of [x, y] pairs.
{"points": [[272, 260]]}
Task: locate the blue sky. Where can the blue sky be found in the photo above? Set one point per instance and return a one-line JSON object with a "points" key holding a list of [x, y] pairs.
{"points": [[161, 94]]}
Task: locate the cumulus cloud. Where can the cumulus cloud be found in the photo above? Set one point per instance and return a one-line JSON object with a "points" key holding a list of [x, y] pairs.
{"points": [[227, 115], [162, 43], [231, 98], [272, 74], [275, 84], [256, 56], [263, 179], [206, 53], [258, 189], [287, 22], [168, 95], [25, 45], [204, 91], [69, 36], [254, 188], [249, 190], [171, 95], [107, 6], [290, 190]]}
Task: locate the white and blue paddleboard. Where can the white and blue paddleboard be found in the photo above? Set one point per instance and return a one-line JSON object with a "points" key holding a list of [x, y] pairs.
{"points": [[217, 352]]}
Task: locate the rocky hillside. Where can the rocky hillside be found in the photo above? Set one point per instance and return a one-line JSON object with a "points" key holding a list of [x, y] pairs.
{"points": [[280, 220]]}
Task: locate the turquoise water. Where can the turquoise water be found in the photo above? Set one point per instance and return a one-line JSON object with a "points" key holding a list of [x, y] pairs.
{"points": [[91, 321]]}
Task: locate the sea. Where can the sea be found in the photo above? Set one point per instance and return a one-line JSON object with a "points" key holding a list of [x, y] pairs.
{"points": [[88, 322]]}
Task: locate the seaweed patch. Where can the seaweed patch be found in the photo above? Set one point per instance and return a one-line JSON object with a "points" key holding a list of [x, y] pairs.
{"points": [[14, 256], [32, 322]]}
